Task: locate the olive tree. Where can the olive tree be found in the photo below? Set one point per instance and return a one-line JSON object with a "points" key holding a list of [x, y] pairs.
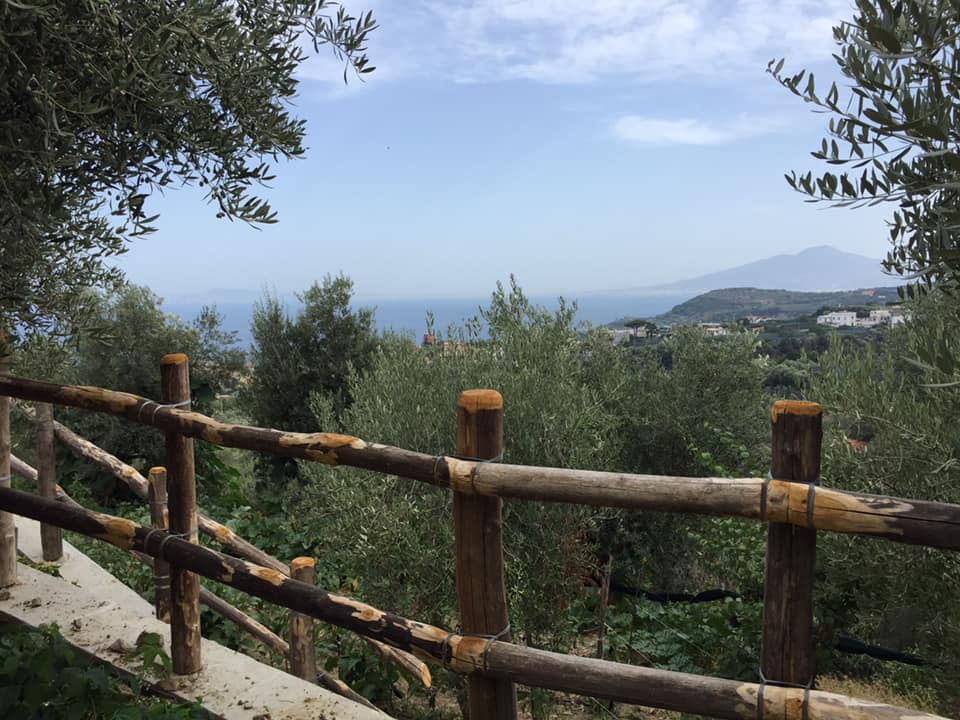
{"points": [[104, 103], [894, 135]]}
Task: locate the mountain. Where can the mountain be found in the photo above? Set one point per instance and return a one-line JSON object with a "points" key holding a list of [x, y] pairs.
{"points": [[821, 268], [734, 303]]}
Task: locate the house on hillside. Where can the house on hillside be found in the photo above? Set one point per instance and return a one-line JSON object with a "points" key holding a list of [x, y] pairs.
{"points": [[712, 329], [848, 318], [838, 318]]}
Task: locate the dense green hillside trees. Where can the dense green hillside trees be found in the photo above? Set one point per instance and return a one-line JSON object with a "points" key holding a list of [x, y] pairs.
{"points": [[893, 595], [314, 352], [571, 400], [103, 104], [132, 335]]}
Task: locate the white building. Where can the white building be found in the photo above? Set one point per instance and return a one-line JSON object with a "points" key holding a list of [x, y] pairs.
{"points": [[848, 318], [838, 318]]}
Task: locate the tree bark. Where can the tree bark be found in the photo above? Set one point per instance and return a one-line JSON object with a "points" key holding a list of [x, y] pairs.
{"points": [[915, 522], [478, 530], [182, 505], [157, 494], [8, 528], [787, 650], [303, 655], [585, 676]]}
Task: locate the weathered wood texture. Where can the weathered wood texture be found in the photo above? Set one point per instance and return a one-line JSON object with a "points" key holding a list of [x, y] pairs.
{"points": [[478, 531], [787, 649], [909, 521], [8, 529], [51, 537], [182, 518], [586, 676], [303, 654], [236, 544], [157, 497], [256, 630]]}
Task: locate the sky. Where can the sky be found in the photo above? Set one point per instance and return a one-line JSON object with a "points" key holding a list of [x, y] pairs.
{"points": [[582, 147]]}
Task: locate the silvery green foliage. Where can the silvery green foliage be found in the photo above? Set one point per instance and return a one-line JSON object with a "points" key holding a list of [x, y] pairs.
{"points": [[104, 103], [395, 535], [895, 134]]}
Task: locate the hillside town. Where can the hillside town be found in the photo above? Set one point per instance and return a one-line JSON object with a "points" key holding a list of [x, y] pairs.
{"points": [[891, 316]]}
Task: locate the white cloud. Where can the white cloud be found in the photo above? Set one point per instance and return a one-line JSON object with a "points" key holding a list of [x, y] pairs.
{"points": [[562, 41], [651, 131], [643, 130]]}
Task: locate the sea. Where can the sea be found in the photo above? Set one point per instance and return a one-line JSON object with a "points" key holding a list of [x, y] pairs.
{"points": [[409, 316]]}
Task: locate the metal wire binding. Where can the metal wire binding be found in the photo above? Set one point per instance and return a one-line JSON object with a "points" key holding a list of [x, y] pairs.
{"points": [[779, 683]]}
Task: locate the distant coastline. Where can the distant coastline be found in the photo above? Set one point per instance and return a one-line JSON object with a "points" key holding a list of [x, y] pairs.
{"points": [[408, 316]]}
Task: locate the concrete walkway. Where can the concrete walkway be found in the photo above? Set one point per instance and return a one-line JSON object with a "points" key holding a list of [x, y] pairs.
{"points": [[94, 610]]}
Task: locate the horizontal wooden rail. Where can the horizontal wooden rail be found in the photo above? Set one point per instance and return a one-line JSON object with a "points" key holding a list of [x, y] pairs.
{"points": [[256, 630], [681, 692], [213, 529], [908, 521]]}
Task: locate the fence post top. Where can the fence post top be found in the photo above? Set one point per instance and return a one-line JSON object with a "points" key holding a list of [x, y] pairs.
{"points": [[173, 359], [794, 407], [158, 470], [481, 399], [302, 562]]}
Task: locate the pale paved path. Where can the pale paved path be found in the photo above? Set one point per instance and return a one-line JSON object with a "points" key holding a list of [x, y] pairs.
{"points": [[93, 610]]}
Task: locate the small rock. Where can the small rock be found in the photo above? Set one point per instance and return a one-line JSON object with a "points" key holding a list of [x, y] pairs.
{"points": [[4, 594], [33, 603], [76, 625]]}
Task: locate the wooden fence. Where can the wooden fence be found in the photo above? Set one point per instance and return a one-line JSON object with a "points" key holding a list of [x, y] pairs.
{"points": [[791, 501]]}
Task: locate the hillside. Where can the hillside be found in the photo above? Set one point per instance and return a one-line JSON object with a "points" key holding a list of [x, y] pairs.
{"points": [[735, 303], [816, 269]]}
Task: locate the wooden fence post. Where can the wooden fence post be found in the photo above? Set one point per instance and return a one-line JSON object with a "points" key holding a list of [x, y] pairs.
{"points": [[182, 503], [51, 537], [303, 654], [787, 649], [478, 525], [8, 528], [157, 498]]}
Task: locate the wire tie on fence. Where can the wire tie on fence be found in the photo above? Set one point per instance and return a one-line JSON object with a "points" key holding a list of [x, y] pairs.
{"points": [[179, 536], [4, 478], [491, 639], [153, 417], [764, 490], [142, 406], [811, 498], [779, 683], [146, 538], [480, 461], [182, 403], [445, 646]]}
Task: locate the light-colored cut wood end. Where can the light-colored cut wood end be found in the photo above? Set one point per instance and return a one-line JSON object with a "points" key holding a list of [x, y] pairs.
{"points": [[302, 562], [474, 400], [173, 359], [156, 471], [794, 407]]}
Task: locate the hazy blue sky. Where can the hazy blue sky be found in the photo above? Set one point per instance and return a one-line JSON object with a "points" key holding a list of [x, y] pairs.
{"points": [[581, 146]]}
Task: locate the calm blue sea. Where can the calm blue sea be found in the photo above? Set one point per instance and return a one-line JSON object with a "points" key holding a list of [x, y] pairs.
{"points": [[409, 316]]}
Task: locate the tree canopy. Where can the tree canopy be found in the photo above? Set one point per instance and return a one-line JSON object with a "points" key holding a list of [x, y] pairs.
{"points": [[896, 134], [103, 104]]}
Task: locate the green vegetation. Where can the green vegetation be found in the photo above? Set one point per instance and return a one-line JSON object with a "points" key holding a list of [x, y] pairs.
{"points": [[103, 104], [896, 130], [42, 677], [688, 404], [81, 143], [732, 304]]}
